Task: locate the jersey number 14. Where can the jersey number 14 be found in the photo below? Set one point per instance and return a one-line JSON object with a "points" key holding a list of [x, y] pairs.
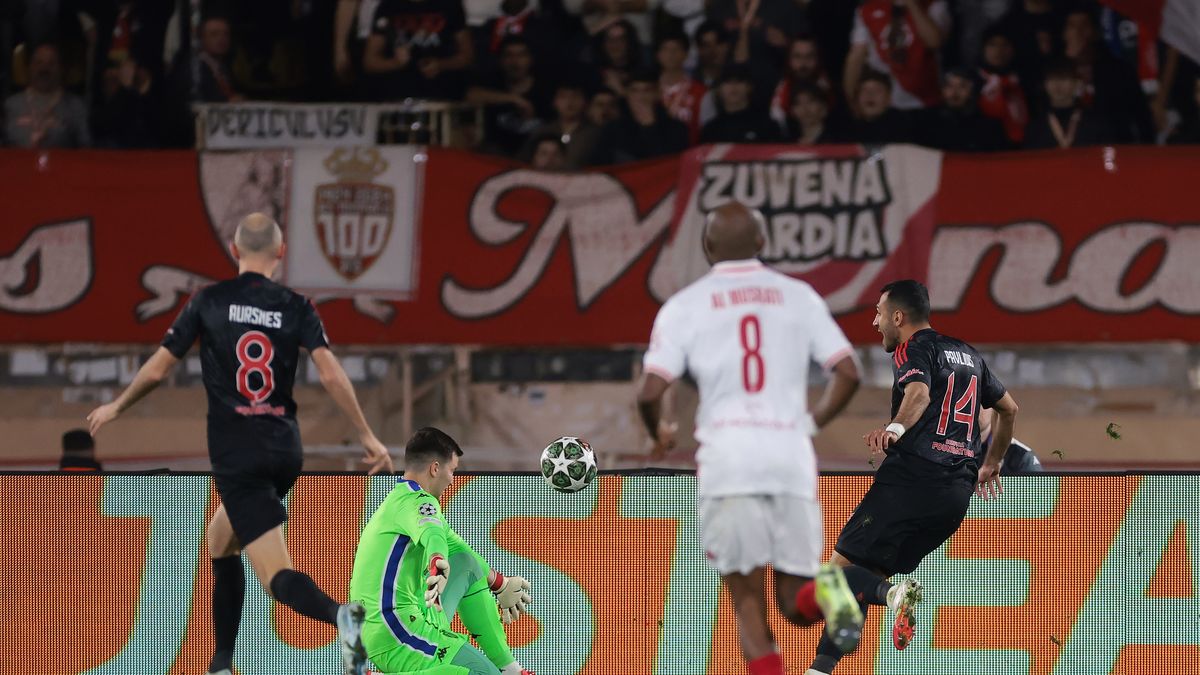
{"points": [[964, 408]]}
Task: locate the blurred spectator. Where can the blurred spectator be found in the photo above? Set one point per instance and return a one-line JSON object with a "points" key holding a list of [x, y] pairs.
{"points": [[599, 15], [352, 27], [738, 120], [1110, 85], [877, 122], [681, 94], [1034, 27], [957, 125], [570, 126], [645, 130], [418, 49], [803, 68], [616, 52], [521, 17], [1188, 132], [1065, 123], [712, 52], [517, 101], [549, 153], [45, 115], [78, 452], [216, 81], [900, 38], [687, 15], [808, 116], [1001, 96], [769, 26], [130, 29], [603, 108], [127, 114], [1131, 44], [762, 41], [972, 20]]}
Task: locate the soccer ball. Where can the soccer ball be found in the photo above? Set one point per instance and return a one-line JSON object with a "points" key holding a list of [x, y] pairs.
{"points": [[568, 464]]}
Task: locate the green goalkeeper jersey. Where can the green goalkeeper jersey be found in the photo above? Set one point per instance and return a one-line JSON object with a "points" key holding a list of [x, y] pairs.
{"points": [[393, 555]]}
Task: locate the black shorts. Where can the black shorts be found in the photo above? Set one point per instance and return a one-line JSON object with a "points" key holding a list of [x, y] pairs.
{"points": [[253, 472], [896, 525]]}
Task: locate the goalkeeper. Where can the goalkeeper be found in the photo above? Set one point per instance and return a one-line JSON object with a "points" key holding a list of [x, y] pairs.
{"points": [[412, 573]]}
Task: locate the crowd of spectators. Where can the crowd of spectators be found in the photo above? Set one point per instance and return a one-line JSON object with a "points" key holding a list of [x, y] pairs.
{"points": [[566, 84]]}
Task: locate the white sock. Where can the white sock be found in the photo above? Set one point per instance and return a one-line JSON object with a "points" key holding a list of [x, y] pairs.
{"points": [[513, 668], [892, 596]]}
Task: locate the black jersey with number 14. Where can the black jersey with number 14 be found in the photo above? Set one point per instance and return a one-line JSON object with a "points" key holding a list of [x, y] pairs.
{"points": [[947, 434], [251, 330]]}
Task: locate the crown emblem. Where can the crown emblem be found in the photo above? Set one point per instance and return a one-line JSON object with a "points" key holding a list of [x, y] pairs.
{"points": [[358, 165]]}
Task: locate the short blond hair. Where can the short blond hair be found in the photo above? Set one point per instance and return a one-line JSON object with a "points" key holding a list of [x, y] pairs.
{"points": [[258, 234]]}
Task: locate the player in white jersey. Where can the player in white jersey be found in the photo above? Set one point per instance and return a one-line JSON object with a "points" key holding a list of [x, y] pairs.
{"points": [[746, 334]]}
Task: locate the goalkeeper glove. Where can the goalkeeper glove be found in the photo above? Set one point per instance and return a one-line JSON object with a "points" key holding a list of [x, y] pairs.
{"points": [[435, 583], [512, 594]]}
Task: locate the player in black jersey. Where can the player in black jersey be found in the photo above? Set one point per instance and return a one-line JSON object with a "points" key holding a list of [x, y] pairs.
{"points": [[251, 330], [924, 484]]}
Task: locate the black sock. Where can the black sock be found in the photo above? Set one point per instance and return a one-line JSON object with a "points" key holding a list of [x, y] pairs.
{"points": [[229, 589], [828, 655], [866, 585], [298, 591]]}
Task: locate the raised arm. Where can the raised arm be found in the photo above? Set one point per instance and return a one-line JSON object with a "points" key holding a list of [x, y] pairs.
{"points": [[149, 376], [927, 29], [335, 381]]}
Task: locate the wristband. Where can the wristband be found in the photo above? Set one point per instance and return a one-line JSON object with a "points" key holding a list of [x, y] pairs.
{"points": [[896, 428], [497, 583]]}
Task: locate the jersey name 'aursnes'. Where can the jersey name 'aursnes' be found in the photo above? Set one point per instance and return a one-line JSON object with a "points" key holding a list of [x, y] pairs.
{"points": [[255, 316]]}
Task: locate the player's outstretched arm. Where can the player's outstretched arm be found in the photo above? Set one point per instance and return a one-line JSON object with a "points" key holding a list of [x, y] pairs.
{"points": [[1004, 417], [843, 382], [148, 377], [335, 381]]}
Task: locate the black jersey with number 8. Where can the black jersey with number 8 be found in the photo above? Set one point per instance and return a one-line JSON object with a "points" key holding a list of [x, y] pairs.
{"points": [[251, 330]]}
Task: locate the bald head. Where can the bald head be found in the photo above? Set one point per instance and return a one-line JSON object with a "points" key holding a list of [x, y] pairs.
{"points": [[258, 235], [733, 232]]}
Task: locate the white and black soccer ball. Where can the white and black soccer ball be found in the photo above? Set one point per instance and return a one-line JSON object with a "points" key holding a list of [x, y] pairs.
{"points": [[568, 464]]}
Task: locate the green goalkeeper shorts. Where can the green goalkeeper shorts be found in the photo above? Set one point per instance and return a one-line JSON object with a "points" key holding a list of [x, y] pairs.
{"points": [[405, 641], [467, 660]]}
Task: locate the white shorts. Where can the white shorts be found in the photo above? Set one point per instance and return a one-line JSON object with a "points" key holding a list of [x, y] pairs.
{"points": [[742, 532]]}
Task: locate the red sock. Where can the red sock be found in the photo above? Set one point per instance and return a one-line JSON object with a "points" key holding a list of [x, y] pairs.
{"points": [[771, 664], [806, 602]]}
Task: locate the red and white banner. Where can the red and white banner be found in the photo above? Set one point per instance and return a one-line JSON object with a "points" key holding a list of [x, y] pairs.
{"points": [[843, 219], [1086, 245]]}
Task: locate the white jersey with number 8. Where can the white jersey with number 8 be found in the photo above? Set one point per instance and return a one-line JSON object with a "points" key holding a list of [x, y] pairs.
{"points": [[747, 334]]}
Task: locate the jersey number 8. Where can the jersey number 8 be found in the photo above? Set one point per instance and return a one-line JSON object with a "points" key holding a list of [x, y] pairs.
{"points": [[261, 364], [754, 370]]}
